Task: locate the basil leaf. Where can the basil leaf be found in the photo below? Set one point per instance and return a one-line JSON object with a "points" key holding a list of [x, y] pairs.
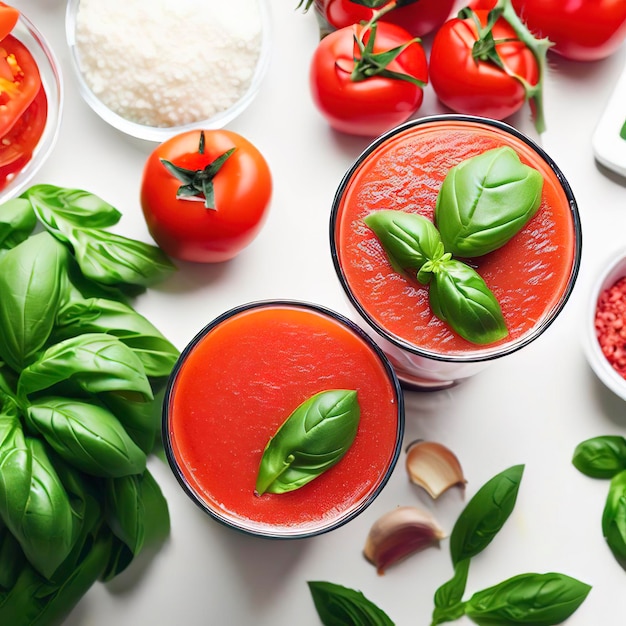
{"points": [[17, 222], [528, 599], [157, 518], [113, 259], [312, 439], [141, 419], [614, 517], [408, 239], [485, 514], [11, 557], [31, 288], [485, 200], [448, 597], [96, 361], [58, 206], [601, 457], [459, 296], [87, 436], [337, 606], [102, 315], [34, 505]]}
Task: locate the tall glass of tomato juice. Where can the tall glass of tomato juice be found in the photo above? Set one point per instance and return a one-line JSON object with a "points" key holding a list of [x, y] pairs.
{"points": [[532, 276], [240, 378]]}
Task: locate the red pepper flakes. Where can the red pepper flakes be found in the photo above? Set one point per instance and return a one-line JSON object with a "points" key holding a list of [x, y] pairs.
{"points": [[610, 325]]}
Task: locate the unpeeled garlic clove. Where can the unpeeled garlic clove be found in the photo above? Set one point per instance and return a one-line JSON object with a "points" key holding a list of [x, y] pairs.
{"points": [[433, 466], [398, 534]]}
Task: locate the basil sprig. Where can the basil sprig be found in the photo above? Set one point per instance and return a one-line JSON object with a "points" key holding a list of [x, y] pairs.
{"points": [[483, 203], [312, 439], [605, 457], [541, 599], [81, 379]]}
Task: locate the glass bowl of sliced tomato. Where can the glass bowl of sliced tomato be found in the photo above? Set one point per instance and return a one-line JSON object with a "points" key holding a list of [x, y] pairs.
{"points": [[31, 101]]}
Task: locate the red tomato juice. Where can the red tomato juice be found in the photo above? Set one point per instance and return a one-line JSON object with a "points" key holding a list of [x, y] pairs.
{"points": [[531, 276], [238, 382]]}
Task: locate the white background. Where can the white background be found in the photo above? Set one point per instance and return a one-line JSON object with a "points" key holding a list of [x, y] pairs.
{"points": [[533, 407]]}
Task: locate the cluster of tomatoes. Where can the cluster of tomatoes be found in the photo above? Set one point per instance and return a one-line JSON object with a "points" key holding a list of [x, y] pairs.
{"points": [[368, 73]]}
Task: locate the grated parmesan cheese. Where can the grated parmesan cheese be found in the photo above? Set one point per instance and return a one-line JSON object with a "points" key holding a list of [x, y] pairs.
{"points": [[165, 63]]}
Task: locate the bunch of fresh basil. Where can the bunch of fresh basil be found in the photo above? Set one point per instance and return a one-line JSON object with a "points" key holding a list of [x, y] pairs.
{"points": [[483, 203], [80, 376], [605, 457], [530, 599]]}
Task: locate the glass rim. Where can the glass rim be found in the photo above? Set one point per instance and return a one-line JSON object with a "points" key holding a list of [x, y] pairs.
{"points": [[484, 353], [282, 532]]}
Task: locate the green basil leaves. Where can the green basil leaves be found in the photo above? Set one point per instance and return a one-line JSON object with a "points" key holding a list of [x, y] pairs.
{"points": [[486, 200], [314, 437], [483, 203], [605, 457], [81, 375]]}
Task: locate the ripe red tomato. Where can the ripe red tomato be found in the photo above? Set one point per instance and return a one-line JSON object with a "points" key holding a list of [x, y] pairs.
{"points": [[218, 204], [378, 102], [586, 30], [477, 86], [419, 18]]}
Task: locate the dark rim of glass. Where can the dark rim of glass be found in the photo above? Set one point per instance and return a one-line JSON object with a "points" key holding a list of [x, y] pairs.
{"points": [[264, 532], [485, 354]]}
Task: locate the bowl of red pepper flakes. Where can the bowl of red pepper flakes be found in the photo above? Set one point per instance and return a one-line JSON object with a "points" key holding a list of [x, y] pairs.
{"points": [[31, 97], [606, 326]]}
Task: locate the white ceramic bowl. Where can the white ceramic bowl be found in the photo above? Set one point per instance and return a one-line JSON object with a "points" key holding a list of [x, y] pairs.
{"points": [[162, 133], [613, 271], [51, 78]]}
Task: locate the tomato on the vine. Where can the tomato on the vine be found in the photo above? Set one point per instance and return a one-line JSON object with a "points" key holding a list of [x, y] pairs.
{"points": [[205, 195], [587, 30], [419, 18], [485, 78], [367, 79]]}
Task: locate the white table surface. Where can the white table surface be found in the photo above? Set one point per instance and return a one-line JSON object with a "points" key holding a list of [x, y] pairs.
{"points": [[533, 407]]}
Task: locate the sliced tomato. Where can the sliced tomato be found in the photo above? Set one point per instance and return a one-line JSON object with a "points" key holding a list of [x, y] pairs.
{"points": [[19, 81]]}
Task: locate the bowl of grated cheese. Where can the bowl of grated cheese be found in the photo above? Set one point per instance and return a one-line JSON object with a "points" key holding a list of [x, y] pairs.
{"points": [[156, 68]]}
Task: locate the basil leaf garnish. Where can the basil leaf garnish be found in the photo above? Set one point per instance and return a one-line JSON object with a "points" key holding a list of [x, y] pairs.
{"points": [[601, 457], [529, 599], [409, 239], [86, 436], [459, 296], [312, 439], [614, 517], [448, 597], [485, 514], [31, 291], [485, 200], [337, 606]]}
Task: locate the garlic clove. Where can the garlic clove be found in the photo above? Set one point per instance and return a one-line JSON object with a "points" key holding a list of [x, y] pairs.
{"points": [[398, 534], [433, 466]]}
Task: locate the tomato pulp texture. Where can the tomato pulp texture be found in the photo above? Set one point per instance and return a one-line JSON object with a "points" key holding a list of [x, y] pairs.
{"points": [[610, 325], [529, 275], [242, 380], [184, 227]]}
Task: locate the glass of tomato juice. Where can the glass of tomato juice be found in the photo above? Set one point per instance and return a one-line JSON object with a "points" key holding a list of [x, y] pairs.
{"points": [[532, 276], [240, 378]]}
